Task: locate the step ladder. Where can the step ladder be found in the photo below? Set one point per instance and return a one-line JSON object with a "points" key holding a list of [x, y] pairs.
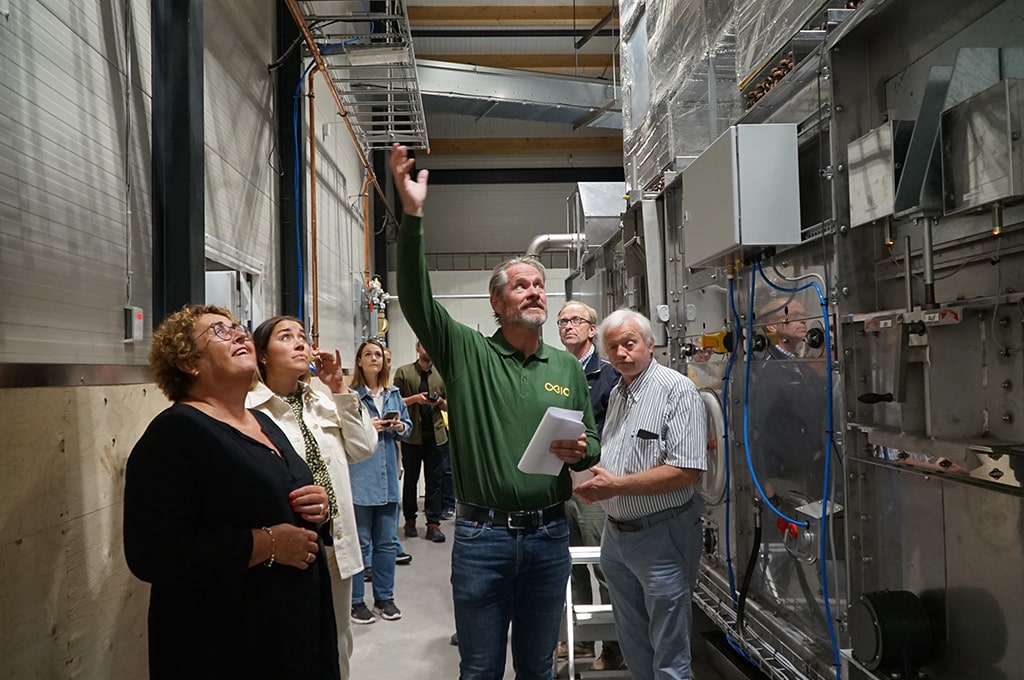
{"points": [[586, 622]]}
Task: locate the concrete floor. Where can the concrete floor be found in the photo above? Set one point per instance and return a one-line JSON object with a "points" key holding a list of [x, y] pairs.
{"points": [[416, 646]]}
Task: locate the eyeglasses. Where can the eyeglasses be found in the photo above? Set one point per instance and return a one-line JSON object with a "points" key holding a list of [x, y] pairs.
{"points": [[573, 321], [226, 332]]}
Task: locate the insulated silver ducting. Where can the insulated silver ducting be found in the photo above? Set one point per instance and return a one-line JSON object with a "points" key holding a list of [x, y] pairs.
{"points": [[547, 241]]}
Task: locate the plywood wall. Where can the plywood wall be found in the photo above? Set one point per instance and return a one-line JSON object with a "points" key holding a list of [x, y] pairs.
{"points": [[69, 608]]}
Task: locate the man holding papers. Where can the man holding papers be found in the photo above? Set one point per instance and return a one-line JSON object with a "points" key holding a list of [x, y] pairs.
{"points": [[653, 450], [510, 561]]}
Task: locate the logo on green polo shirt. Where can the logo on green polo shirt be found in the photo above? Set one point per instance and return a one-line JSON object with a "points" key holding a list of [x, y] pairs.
{"points": [[557, 389]]}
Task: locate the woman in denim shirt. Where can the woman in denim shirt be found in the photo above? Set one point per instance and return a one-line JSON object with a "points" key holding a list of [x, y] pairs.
{"points": [[375, 491]]}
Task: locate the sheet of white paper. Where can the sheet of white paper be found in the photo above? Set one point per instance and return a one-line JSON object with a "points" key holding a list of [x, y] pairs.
{"points": [[557, 423]]}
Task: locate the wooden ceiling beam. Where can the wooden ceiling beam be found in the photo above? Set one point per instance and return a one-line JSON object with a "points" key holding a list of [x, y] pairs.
{"points": [[523, 145], [526, 61], [489, 15]]}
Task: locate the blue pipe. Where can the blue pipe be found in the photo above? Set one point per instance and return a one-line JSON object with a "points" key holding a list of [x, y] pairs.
{"points": [[829, 425], [298, 205], [746, 412]]}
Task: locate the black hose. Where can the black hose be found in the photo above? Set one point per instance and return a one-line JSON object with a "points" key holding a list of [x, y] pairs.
{"points": [[751, 563]]}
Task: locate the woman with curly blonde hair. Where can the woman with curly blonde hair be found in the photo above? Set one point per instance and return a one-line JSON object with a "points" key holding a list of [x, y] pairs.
{"points": [[220, 518]]}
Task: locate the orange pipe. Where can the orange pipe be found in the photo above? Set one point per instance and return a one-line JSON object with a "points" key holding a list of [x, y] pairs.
{"points": [[367, 230]]}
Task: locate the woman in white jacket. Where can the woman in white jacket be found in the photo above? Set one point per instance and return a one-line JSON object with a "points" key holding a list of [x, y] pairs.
{"points": [[328, 432]]}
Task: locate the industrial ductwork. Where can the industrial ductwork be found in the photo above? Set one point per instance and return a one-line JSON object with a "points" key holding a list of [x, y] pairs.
{"points": [[547, 241]]}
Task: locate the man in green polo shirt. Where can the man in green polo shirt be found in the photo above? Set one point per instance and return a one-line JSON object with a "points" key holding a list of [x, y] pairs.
{"points": [[510, 561]]}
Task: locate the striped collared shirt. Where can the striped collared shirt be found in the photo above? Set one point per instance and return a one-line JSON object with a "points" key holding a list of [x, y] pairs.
{"points": [[658, 419]]}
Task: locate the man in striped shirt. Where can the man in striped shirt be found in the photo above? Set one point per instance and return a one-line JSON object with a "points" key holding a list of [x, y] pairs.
{"points": [[653, 450]]}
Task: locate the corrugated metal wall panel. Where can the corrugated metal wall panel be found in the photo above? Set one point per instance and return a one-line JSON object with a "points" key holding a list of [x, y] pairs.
{"points": [[239, 128], [62, 183], [100, 26]]}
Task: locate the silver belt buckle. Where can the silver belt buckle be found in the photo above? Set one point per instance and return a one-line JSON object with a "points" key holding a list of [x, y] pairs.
{"points": [[514, 517]]}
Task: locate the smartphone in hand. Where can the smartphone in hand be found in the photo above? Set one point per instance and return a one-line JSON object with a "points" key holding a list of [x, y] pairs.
{"points": [[390, 415]]}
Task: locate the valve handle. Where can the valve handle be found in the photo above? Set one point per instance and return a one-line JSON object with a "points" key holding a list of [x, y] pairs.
{"points": [[874, 397]]}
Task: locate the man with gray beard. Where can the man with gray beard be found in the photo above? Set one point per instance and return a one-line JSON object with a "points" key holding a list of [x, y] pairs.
{"points": [[510, 561]]}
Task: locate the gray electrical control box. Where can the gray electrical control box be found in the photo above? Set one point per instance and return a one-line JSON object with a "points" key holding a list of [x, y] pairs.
{"points": [[133, 324], [742, 194]]}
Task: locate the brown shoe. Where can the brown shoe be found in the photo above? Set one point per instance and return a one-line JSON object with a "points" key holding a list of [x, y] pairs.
{"points": [[610, 659], [579, 649], [583, 649]]}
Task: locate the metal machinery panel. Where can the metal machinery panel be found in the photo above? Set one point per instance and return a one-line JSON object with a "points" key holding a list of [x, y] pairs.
{"points": [[941, 540], [918, 190], [875, 163], [595, 210], [927, 343], [742, 191], [931, 388], [983, 155], [643, 248], [675, 276]]}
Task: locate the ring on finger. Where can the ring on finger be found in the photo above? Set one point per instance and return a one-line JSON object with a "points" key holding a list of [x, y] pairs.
{"points": [[310, 557]]}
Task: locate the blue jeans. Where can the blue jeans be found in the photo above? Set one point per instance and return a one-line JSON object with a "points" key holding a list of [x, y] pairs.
{"points": [[651, 574], [502, 576], [377, 525]]}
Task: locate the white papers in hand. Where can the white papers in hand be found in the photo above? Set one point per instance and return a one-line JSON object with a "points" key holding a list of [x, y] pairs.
{"points": [[557, 423]]}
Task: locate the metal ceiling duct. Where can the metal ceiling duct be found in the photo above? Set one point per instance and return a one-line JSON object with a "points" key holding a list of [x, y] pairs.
{"points": [[481, 91]]}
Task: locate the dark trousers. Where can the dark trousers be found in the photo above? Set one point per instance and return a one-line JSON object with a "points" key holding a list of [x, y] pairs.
{"points": [[447, 488], [429, 456]]}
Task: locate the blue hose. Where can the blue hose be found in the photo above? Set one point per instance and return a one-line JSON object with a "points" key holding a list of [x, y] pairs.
{"points": [[829, 424], [746, 413], [298, 205]]}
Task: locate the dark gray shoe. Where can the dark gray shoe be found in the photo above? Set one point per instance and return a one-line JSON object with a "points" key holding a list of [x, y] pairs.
{"points": [[387, 610], [434, 533], [362, 614]]}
